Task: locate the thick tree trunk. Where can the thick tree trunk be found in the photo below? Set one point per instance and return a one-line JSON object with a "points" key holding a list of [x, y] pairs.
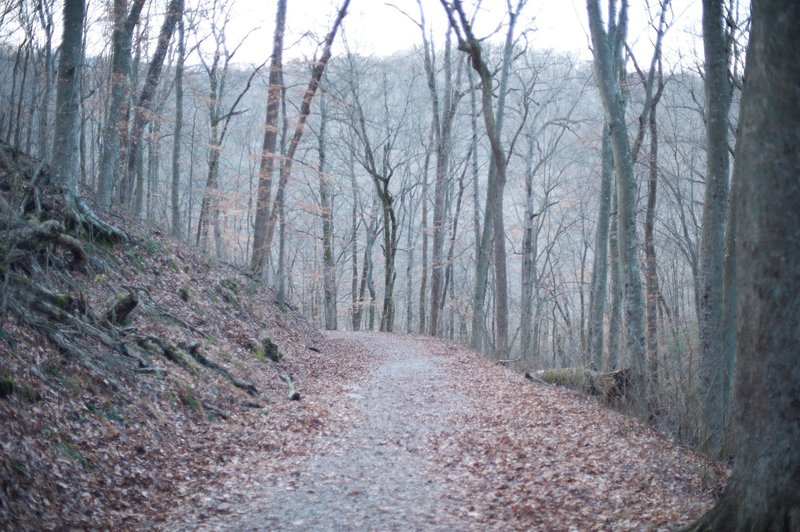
{"points": [[718, 91], [176, 147], [597, 297], [65, 165], [66, 152], [763, 492]]}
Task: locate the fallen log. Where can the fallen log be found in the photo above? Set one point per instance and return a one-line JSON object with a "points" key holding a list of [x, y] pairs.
{"points": [[608, 385]]}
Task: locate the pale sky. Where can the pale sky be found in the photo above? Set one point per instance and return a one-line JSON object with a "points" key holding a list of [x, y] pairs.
{"points": [[374, 27]]}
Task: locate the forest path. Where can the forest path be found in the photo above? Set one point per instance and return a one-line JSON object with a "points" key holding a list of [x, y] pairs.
{"points": [[435, 437], [379, 473]]}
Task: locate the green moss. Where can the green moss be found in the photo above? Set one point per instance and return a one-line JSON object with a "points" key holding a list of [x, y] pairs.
{"points": [[112, 413], [7, 386], [18, 467], [185, 292], [152, 246], [260, 355], [63, 301], [135, 259], [29, 394], [231, 285], [570, 377], [69, 450], [190, 400]]}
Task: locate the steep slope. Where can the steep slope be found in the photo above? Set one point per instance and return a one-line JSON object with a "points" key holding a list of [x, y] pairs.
{"points": [[122, 370]]}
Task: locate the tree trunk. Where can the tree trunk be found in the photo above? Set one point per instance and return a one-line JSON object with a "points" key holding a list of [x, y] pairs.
{"points": [[354, 294], [633, 304], [528, 257], [651, 266], [267, 165], [46, 17], [121, 38], [482, 233], [423, 284], [65, 165], [597, 296], [763, 492], [142, 111], [442, 129], [494, 127], [265, 243], [176, 147], [326, 213], [718, 90]]}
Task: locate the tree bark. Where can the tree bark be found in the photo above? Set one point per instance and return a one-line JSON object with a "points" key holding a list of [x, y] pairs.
{"points": [[718, 93], [326, 213], [611, 94], [305, 109], [65, 167], [142, 111], [267, 165], [597, 296], [176, 147], [121, 38], [442, 132], [493, 123], [763, 492]]}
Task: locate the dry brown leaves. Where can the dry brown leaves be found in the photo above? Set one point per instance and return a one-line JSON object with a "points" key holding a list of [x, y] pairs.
{"points": [[116, 448], [549, 458]]}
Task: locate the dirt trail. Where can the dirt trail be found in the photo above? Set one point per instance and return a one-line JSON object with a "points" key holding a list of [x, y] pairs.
{"points": [[380, 473], [436, 437]]}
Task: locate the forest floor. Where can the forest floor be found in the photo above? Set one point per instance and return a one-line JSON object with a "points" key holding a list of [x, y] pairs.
{"points": [[436, 437]]}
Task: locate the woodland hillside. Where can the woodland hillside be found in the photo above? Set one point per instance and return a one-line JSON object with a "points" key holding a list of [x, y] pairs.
{"points": [[186, 198], [106, 421]]}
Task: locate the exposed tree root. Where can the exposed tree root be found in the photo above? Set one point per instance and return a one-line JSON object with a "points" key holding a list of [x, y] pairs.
{"points": [[194, 352]]}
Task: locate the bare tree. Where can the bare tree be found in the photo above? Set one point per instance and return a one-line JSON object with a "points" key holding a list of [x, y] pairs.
{"points": [[65, 142], [263, 245], [176, 146], [219, 120], [606, 42], [493, 123], [326, 213], [267, 166], [121, 38], [718, 92], [141, 115]]}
